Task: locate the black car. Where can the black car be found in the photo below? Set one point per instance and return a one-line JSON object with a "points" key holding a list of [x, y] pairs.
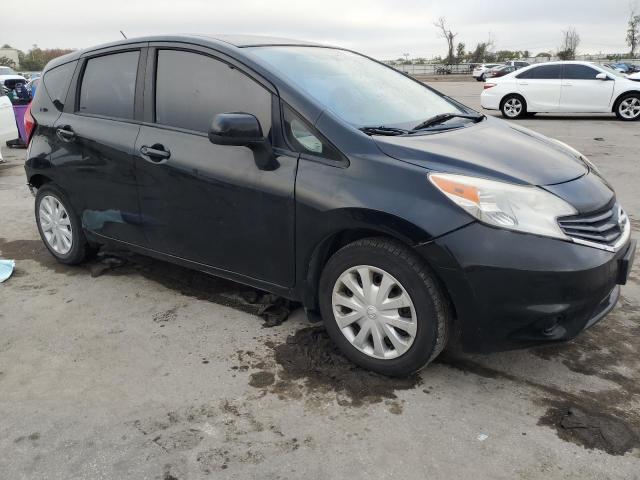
{"points": [[408, 220]]}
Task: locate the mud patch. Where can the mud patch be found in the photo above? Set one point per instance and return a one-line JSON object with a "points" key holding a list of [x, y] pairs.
{"points": [[274, 310], [36, 251], [311, 366], [262, 379], [605, 420], [592, 430], [166, 316]]}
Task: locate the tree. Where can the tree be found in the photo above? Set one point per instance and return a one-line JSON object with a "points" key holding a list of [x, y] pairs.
{"points": [[633, 31], [449, 36], [460, 51], [7, 62], [36, 58], [570, 42]]}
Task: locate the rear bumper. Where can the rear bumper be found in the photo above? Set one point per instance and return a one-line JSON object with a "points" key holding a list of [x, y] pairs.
{"points": [[489, 100], [512, 290]]}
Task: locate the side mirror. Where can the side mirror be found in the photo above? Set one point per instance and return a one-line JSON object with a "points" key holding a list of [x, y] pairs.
{"points": [[243, 130], [240, 129], [602, 76]]}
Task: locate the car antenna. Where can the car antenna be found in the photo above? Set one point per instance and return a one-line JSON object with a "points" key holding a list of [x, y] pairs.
{"points": [[123, 34]]}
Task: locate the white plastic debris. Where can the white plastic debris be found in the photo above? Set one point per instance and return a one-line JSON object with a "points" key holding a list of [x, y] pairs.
{"points": [[6, 269], [482, 437]]}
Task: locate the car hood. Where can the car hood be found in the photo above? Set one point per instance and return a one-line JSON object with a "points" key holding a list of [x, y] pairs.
{"points": [[491, 149]]}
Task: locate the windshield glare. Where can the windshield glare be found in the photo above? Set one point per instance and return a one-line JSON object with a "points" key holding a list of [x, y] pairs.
{"points": [[357, 89]]}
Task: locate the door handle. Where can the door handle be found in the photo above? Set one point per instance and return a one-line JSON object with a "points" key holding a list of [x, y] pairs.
{"points": [[66, 134], [523, 83], [156, 153], [567, 84]]}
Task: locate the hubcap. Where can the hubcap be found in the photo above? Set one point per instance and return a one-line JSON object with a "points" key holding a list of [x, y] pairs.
{"points": [[374, 312], [55, 225], [630, 107], [513, 107]]}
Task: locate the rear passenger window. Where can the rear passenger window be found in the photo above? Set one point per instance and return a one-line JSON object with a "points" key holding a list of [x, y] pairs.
{"points": [[543, 72], [579, 72], [192, 88], [109, 85], [56, 83]]}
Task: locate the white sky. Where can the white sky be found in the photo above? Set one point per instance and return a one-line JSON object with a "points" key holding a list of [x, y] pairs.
{"points": [[382, 28]]}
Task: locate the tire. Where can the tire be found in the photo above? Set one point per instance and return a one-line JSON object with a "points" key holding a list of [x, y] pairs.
{"points": [[513, 107], [78, 249], [627, 107], [483, 78], [390, 262], [478, 79]]}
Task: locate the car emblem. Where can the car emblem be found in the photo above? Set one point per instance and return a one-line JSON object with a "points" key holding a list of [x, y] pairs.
{"points": [[622, 218]]}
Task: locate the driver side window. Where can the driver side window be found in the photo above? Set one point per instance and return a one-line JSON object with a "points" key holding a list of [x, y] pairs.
{"points": [[305, 139]]}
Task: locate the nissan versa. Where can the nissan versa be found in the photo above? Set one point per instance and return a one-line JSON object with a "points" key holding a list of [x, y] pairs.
{"points": [[408, 220]]}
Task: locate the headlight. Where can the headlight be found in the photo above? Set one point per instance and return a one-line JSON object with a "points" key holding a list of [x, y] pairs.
{"points": [[515, 207]]}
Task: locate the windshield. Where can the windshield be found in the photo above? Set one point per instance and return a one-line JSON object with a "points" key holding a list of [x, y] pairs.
{"points": [[612, 71], [357, 89], [7, 71]]}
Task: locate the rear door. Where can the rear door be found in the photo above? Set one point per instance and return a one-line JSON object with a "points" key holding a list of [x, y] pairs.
{"points": [[208, 203], [541, 86], [96, 134], [582, 91]]}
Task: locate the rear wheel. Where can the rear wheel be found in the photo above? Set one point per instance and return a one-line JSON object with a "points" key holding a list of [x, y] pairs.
{"points": [[59, 226], [513, 106], [382, 306], [628, 107]]}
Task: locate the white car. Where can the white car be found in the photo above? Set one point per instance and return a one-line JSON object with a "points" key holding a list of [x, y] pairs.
{"points": [[634, 76], [8, 128], [567, 87], [9, 77], [479, 73]]}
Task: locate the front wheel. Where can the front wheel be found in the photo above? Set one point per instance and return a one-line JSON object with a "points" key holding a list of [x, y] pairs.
{"points": [[628, 107], [382, 306]]}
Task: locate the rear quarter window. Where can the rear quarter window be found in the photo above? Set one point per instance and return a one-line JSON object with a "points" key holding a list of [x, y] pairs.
{"points": [[56, 83]]}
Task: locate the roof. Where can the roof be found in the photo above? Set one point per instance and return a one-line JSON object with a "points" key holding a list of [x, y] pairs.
{"points": [[253, 40]]}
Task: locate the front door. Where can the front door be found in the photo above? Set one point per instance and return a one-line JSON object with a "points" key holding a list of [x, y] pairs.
{"points": [[210, 203], [583, 92]]}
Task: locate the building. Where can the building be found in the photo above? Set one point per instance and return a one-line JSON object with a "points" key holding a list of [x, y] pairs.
{"points": [[10, 53]]}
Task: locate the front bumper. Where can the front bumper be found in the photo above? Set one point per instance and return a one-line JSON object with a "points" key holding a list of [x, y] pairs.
{"points": [[512, 290]]}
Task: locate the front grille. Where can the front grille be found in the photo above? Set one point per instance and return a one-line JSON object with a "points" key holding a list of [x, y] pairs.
{"points": [[603, 227]]}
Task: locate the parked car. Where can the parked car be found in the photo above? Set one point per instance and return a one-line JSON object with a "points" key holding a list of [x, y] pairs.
{"points": [[8, 78], [479, 73], [500, 71], [635, 77], [8, 129], [624, 67], [32, 85], [517, 63], [407, 219], [568, 87]]}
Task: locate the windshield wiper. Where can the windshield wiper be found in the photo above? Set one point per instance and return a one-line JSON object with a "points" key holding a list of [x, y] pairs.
{"points": [[382, 130], [443, 117]]}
